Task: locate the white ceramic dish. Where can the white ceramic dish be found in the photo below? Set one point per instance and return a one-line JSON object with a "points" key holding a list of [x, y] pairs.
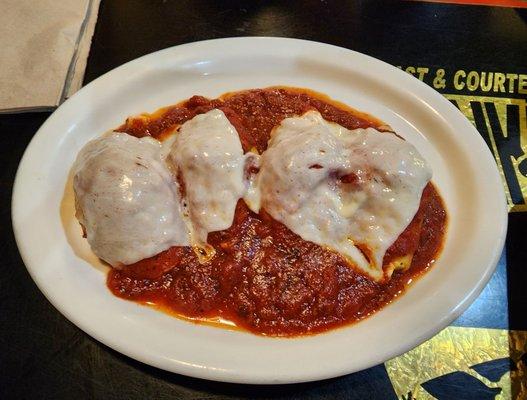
{"points": [[59, 260]]}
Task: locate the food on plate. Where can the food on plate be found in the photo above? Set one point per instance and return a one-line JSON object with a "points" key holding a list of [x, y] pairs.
{"points": [[276, 210], [126, 199], [352, 191], [207, 158]]}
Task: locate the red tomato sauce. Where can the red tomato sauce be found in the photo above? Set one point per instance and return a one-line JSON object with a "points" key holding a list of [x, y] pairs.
{"points": [[263, 277]]}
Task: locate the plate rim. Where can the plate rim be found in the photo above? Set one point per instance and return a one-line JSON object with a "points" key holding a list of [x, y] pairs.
{"points": [[228, 376]]}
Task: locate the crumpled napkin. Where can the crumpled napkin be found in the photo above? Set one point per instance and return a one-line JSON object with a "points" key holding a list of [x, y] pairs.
{"points": [[44, 48]]}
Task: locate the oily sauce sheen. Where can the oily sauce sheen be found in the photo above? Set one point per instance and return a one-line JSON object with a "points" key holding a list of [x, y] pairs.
{"points": [[265, 278]]}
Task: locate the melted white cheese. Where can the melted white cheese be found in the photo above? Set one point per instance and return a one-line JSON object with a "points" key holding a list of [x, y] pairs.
{"points": [[299, 185], [208, 156], [126, 199]]}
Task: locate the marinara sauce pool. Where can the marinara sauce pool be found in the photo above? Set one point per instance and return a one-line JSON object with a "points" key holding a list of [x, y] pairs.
{"points": [[263, 277]]}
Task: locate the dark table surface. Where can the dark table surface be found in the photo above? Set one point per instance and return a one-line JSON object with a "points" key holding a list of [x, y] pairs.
{"points": [[43, 355]]}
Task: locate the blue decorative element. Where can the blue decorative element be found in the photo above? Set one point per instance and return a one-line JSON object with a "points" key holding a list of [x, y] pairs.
{"points": [[459, 386], [493, 370]]}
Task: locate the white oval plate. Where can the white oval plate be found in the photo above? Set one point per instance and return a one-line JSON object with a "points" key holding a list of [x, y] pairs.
{"points": [[59, 260]]}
